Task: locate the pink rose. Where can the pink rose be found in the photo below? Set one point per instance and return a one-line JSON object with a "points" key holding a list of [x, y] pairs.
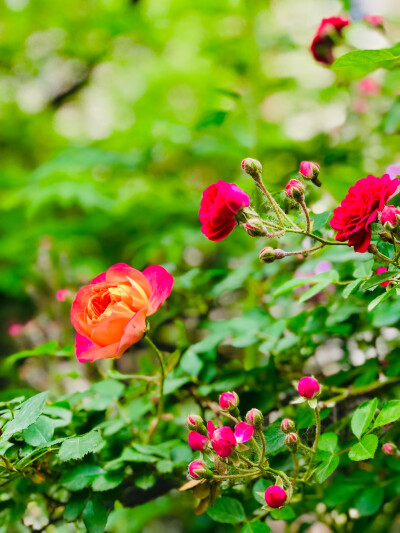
{"points": [[62, 295], [243, 432], [223, 441], [197, 441], [228, 400], [218, 208], [308, 387], [275, 496], [195, 468]]}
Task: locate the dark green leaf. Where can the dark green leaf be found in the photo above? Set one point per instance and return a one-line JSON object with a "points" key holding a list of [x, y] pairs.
{"points": [[227, 511]]}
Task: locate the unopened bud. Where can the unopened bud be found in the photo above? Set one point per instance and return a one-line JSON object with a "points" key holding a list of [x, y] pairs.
{"points": [[196, 423], [310, 171], [390, 217], [269, 255], [255, 417], [372, 249], [254, 227], [287, 425], [385, 236], [253, 168], [308, 387], [198, 470], [389, 448], [228, 401], [291, 441], [295, 189]]}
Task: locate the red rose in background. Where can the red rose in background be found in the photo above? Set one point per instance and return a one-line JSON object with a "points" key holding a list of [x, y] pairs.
{"points": [[325, 38], [219, 205], [109, 315], [364, 200]]}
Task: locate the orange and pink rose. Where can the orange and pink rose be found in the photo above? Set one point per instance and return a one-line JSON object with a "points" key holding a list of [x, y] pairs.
{"points": [[109, 315]]}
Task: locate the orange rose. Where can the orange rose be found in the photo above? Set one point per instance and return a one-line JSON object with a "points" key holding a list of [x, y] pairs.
{"points": [[109, 315]]}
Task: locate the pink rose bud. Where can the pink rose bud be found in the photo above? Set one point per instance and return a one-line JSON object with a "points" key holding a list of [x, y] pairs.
{"points": [[210, 429], [275, 496], [223, 441], [310, 171], [228, 401], [243, 432], [195, 422], [308, 387], [291, 441], [62, 295], [15, 330], [389, 448], [294, 189], [255, 417], [197, 441], [389, 217], [253, 168], [197, 469], [287, 425], [374, 20]]}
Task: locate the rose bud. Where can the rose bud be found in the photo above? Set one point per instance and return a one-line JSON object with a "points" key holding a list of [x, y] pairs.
{"points": [[310, 171], [243, 432], [254, 227], [253, 168], [228, 401], [197, 441], [255, 417], [389, 448], [287, 425], [308, 387], [275, 496], [389, 217], [295, 189], [196, 423], [376, 21], [269, 255], [197, 469], [291, 441], [223, 441]]}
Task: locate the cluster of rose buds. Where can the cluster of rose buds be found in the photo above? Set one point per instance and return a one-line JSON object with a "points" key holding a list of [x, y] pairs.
{"points": [[238, 451]]}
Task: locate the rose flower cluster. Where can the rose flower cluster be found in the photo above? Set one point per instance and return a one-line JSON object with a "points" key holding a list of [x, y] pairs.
{"points": [[237, 452]]}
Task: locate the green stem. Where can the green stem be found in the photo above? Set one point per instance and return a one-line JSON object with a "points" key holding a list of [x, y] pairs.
{"points": [[317, 435], [160, 407], [358, 391], [295, 467], [263, 447], [306, 213], [235, 476]]}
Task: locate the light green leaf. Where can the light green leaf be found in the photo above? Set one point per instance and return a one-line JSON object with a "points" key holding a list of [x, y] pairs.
{"points": [[390, 412], [27, 414], [328, 442], [362, 417], [286, 513], [381, 298], [95, 516], [363, 270], [326, 468], [39, 433], [365, 449], [359, 62], [227, 511], [320, 220], [78, 447], [255, 527], [351, 287], [328, 277]]}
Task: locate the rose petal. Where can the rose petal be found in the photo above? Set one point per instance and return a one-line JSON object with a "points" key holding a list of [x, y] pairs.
{"points": [[243, 432], [210, 429], [161, 283], [86, 350], [134, 331]]}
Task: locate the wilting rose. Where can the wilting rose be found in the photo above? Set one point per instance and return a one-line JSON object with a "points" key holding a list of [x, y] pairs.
{"points": [[219, 205], [326, 36], [109, 315]]}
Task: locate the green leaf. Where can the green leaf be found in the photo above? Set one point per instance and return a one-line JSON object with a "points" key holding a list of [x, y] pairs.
{"points": [[78, 447], [104, 393], [381, 298], [377, 279], [328, 442], [39, 433], [365, 449], [95, 516], [274, 438], [359, 62], [314, 290], [328, 277], [80, 476], [255, 527], [390, 412], [107, 481], [320, 220], [362, 417], [74, 508], [259, 488], [351, 287], [27, 414], [369, 501], [326, 468], [364, 269], [286, 513], [227, 511], [49, 348]]}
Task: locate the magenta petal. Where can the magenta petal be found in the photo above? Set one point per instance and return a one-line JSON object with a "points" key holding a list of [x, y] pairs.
{"points": [[243, 432], [210, 429], [161, 283], [99, 279]]}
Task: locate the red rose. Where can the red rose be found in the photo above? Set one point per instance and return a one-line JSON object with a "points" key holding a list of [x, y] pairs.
{"points": [[364, 200], [219, 205], [327, 33]]}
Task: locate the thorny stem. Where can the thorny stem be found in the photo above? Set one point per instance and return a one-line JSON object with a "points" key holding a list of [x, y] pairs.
{"points": [[160, 407], [263, 445]]}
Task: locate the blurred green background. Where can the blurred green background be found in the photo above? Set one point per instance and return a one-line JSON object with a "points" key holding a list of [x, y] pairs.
{"points": [[117, 114]]}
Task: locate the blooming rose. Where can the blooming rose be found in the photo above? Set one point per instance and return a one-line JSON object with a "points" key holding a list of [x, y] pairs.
{"points": [[243, 432], [109, 315], [327, 32], [275, 496], [308, 387], [219, 205], [359, 209], [223, 441]]}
